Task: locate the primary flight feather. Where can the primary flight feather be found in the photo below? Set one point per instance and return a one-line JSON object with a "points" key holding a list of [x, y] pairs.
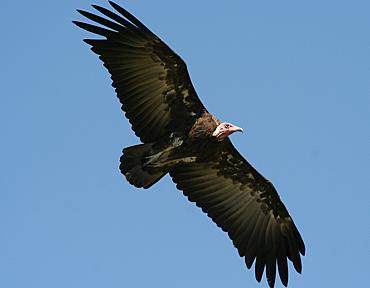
{"points": [[180, 137]]}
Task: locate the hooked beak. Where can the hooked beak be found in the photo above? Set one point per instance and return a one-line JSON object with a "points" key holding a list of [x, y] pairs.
{"points": [[237, 129]]}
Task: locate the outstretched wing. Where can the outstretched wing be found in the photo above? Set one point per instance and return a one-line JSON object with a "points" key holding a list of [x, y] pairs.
{"points": [[246, 206], [151, 81]]}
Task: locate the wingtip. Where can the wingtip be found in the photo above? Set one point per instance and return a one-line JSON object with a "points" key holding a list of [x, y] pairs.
{"points": [[80, 24], [83, 12], [249, 261], [119, 8], [113, 4], [98, 8], [271, 283], [302, 249], [301, 246], [259, 279], [88, 41], [298, 265], [77, 23]]}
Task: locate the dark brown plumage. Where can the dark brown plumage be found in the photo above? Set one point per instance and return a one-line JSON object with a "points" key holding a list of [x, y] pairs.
{"points": [[182, 138]]}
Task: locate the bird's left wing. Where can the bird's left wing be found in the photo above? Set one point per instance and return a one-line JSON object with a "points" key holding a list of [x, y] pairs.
{"points": [[246, 206], [151, 81]]}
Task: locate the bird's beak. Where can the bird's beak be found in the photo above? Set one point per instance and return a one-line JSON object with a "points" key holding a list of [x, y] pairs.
{"points": [[237, 129]]}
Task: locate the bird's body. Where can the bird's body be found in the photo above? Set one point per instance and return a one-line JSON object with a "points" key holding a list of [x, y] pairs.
{"points": [[180, 137], [158, 158]]}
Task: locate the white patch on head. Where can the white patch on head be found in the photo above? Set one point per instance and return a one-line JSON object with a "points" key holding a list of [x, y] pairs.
{"points": [[217, 130], [225, 129], [221, 131]]}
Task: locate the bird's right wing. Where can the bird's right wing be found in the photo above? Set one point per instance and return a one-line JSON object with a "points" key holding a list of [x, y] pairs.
{"points": [[151, 81], [246, 206]]}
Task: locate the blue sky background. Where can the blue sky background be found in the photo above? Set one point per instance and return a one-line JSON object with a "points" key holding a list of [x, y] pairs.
{"points": [[294, 74]]}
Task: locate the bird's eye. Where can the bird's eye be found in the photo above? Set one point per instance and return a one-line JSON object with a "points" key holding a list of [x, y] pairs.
{"points": [[227, 126]]}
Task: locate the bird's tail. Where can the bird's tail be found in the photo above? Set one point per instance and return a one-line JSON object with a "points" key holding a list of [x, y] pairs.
{"points": [[132, 166]]}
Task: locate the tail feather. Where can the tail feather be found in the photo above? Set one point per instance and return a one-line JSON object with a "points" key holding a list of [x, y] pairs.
{"points": [[132, 167]]}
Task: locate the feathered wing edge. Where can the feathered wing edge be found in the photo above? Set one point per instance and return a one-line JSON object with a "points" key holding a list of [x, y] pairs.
{"points": [[151, 81], [246, 206]]}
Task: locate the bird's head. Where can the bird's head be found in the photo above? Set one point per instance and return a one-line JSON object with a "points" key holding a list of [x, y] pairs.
{"points": [[225, 129]]}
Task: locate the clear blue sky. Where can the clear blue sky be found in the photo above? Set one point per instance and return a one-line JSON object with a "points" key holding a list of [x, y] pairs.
{"points": [[294, 74]]}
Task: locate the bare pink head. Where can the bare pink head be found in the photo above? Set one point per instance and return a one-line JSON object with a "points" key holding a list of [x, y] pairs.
{"points": [[225, 129]]}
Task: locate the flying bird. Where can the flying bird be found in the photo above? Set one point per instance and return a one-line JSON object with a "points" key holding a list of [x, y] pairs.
{"points": [[180, 137]]}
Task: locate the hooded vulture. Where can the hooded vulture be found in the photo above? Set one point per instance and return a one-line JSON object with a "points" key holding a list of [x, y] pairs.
{"points": [[180, 137]]}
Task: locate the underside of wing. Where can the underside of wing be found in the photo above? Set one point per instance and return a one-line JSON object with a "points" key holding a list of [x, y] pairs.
{"points": [[246, 206], [151, 81]]}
